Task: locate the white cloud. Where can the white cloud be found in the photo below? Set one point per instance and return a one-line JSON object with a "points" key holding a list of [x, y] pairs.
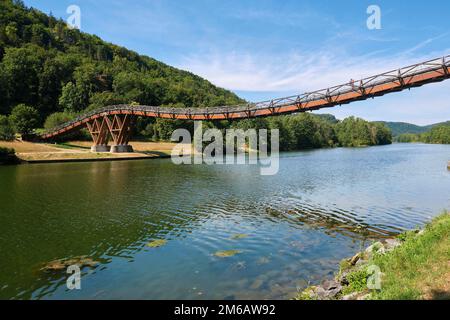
{"points": [[293, 73], [422, 106]]}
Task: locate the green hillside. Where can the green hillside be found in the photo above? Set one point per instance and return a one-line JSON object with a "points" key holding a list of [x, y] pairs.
{"points": [[51, 68], [438, 133], [49, 73], [399, 128]]}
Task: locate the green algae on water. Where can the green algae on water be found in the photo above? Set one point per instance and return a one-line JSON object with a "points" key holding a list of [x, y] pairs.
{"points": [[156, 243], [227, 253]]}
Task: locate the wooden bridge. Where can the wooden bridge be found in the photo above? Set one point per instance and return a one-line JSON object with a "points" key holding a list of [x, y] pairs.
{"points": [[116, 122]]}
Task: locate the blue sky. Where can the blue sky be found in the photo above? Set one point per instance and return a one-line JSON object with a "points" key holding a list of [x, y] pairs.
{"points": [[267, 49]]}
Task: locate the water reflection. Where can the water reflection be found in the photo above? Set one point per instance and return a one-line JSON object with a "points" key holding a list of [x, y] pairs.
{"points": [[321, 207]]}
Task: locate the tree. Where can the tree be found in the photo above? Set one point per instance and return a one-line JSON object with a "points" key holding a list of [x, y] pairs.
{"points": [[4, 92], [11, 33], [8, 155], [353, 132], [56, 119], [40, 35], [50, 87], [25, 119], [164, 128], [439, 134], [45, 64], [408, 138], [356, 132], [71, 99], [303, 128], [21, 67], [6, 129], [381, 134], [286, 136], [102, 99]]}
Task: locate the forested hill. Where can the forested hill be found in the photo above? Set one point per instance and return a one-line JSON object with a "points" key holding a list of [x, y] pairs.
{"points": [[399, 128], [52, 68]]}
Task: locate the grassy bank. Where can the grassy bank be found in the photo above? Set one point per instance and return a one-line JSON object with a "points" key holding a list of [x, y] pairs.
{"points": [[420, 267], [80, 151], [415, 266]]}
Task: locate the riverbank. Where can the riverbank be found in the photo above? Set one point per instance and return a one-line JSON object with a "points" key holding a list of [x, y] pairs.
{"points": [[414, 266], [79, 151]]}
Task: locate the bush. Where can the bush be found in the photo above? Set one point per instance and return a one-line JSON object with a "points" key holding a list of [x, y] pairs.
{"points": [[25, 119], [357, 281], [57, 119], [7, 156], [6, 129]]}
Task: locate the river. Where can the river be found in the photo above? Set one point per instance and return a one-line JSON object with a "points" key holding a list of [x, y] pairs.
{"points": [[290, 229]]}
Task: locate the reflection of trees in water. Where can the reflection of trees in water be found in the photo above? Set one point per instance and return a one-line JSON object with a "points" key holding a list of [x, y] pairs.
{"points": [[77, 210]]}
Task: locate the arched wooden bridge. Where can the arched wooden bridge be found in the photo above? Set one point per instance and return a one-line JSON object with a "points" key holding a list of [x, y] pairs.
{"points": [[117, 121]]}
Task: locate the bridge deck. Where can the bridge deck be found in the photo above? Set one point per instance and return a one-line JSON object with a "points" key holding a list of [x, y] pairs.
{"points": [[393, 81]]}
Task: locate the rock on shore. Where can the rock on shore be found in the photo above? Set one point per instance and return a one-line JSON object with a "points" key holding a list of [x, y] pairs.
{"points": [[338, 288]]}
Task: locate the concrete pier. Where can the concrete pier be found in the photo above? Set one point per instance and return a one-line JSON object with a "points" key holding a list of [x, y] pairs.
{"points": [[100, 148], [124, 148]]}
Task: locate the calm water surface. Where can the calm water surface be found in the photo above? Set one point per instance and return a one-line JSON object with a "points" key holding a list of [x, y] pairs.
{"points": [[322, 206]]}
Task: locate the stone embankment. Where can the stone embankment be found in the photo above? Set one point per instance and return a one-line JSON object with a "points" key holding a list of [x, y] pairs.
{"points": [[351, 281]]}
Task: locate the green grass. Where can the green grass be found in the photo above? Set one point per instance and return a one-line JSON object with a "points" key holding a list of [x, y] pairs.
{"points": [[68, 146], [357, 281], [420, 268]]}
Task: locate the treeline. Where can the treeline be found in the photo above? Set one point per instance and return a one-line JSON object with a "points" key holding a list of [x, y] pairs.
{"points": [[437, 135], [50, 73], [297, 132], [49, 68]]}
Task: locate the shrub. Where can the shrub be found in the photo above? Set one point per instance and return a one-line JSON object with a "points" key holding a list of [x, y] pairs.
{"points": [[6, 129], [56, 119], [357, 281], [6, 152], [7, 156], [25, 119]]}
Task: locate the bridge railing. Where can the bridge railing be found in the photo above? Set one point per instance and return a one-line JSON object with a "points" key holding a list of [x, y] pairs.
{"points": [[365, 83], [356, 86]]}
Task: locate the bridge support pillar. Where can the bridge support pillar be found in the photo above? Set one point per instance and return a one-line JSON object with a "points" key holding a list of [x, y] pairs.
{"points": [[98, 129], [120, 128], [124, 148], [100, 148]]}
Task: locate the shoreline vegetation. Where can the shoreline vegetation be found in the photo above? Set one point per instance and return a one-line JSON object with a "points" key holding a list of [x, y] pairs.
{"points": [[8, 156], [20, 152], [50, 74], [437, 135], [297, 132], [76, 151], [413, 266]]}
